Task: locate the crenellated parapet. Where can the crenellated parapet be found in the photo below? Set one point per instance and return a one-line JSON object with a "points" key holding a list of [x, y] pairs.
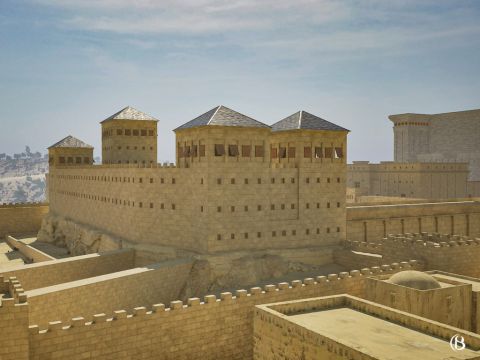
{"points": [[227, 301]]}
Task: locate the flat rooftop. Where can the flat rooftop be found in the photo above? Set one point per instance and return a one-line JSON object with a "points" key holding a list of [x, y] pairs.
{"points": [[376, 337], [367, 329]]}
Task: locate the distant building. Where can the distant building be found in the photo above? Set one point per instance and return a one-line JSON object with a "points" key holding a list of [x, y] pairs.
{"points": [[447, 137]]}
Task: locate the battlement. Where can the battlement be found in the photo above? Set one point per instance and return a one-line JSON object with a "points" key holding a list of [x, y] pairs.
{"points": [[18, 205], [256, 295], [431, 240], [120, 166], [14, 290]]}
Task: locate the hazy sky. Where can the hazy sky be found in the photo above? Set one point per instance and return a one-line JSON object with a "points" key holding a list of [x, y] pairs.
{"points": [[65, 65]]}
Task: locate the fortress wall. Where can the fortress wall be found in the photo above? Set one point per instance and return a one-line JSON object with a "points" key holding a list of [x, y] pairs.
{"points": [[106, 293], [213, 329], [203, 210], [14, 338], [149, 205], [455, 256], [18, 219], [34, 276], [372, 223]]}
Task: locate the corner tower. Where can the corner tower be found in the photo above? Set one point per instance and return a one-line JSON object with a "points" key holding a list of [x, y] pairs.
{"points": [[70, 151], [411, 136], [129, 137], [221, 136]]}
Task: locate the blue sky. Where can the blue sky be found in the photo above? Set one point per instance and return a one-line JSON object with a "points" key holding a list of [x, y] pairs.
{"points": [[67, 64]]}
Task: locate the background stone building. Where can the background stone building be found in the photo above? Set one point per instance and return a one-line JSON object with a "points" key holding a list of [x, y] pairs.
{"points": [[447, 137]]}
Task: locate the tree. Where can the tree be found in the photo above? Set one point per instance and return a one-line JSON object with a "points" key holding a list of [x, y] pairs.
{"points": [[27, 151], [3, 156], [17, 156]]}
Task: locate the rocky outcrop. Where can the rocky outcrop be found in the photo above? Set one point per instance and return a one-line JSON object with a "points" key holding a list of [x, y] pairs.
{"points": [[209, 274]]}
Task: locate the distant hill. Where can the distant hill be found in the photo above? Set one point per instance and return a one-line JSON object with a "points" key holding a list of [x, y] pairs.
{"points": [[22, 177]]}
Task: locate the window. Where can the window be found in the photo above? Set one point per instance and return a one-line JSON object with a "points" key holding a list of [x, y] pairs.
{"points": [[307, 205], [150, 132], [274, 233], [219, 237], [307, 232], [284, 233], [78, 160], [282, 152], [338, 180], [180, 151], [143, 132], [173, 206], [70, 160], [135, 132], [119, 132], [274, 153], [338, 204], [86, 160], [246, 150], [219, 181], [62, 159], [151, 205], [151, 180], [245, 208], [187, 151], [282, 206], [259, 234], [292, 206], [232, 181], [328, 152], [307, 180], [219, 209], [173, 180], [258, 151], [338, 153], [232, 236], [307, 152], [292, 180], [202, 150], [201, 208], [245, 181], [328, 230], [272, 207], [291, 152], [328, 180], [232, 150], [338, 229], [232, 208], [357, 184], [318, 152], [259, 207], [245, 235], [128, 132], [194, 151], [328, 205], [219, 149], [259, 180]]}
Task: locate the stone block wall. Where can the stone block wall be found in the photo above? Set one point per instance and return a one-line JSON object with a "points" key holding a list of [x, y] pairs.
{"points": [[455, 254], [373, 222], [106, 293], [34, 255], [14, 337], [34, 276], [212, 329], [18, 219]]}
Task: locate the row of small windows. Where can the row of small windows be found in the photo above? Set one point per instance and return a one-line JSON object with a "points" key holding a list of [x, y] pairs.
{"points": [[71, 160], [274, 233], [124, 179], [273, 207], [128, 162], [126, 147], [128, 132], [318, 152], [128, 179], [173, 207], [412, 123]]}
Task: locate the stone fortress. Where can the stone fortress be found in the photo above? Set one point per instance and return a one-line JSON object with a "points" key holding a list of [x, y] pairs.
{"points": [[163, 254], [435, 157]]}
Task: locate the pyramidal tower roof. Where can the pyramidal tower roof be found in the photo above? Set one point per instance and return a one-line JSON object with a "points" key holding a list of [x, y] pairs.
{"points": [[303, 120], [222, 116], [130, 113], [71, 142]]}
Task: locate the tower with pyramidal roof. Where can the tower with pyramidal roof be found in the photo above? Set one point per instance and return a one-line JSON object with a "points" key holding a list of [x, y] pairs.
{"points": [[129, 137]]}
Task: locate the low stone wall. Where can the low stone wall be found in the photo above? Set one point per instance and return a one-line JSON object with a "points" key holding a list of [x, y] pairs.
{"points": [[18, 219], [372, 223], [213, 329], [448, 253], [34, 255], [106, 293], [34, 276]]}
